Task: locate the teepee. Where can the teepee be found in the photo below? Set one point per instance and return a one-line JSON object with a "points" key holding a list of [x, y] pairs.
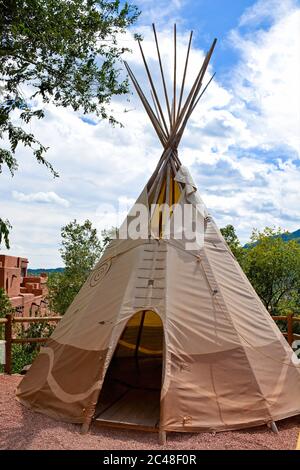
{"points": [[166, 334]]}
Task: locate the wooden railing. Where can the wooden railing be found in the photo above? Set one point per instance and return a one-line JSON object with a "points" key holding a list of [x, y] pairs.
{"points": [[290, 320], [10, 320], [8, 323]]}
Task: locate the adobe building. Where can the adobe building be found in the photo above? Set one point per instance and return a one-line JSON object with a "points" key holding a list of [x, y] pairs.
{"points": [[26, 293]]}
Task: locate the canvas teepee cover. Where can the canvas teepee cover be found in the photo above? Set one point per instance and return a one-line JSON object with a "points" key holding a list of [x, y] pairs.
{"points": [[225, 363]]}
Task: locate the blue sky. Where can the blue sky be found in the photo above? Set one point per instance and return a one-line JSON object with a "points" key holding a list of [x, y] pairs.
{"points": [[242, 143], [210, 19]]}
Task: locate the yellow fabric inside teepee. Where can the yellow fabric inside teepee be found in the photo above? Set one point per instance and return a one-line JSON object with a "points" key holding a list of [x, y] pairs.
{"points": [[143, 335], [161, 214]]}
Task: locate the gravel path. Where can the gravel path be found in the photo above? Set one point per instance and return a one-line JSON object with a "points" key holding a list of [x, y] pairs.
{"points": [[22, 429]]}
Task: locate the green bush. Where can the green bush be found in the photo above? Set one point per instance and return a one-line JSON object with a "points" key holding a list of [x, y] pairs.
{"points": [[21, 357], [5, 308]]}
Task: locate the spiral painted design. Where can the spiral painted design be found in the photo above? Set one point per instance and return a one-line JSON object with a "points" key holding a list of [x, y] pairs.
{"points": [[99, 273]]}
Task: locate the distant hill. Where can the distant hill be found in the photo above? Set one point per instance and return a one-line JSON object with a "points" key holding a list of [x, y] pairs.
{"points": [[37, 271], [291, 236], [285, 236]]}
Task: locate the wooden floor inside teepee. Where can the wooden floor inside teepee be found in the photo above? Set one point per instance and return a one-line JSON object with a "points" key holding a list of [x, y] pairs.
{"points": [[130, 397]]}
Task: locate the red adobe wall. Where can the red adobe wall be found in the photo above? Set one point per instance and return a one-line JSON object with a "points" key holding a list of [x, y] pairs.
{"points": [[12, 269], [26, 293]]}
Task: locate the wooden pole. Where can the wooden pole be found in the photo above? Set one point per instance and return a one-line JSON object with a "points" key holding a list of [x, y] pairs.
{"points": [[172, 143], [205, 65], [205, 88], [159, 185], [180, 133], [298, 442], [273, 427], [162, 437], [188, 107], [290, 336], [183, 117], [139, 336], [168, 184], [178, 115], [190, 95], [155, 176], [198, 82], [173, 161], [29, 340], [166, 210], [35, 319], [146, 104], [195, 90], [153, 89], [172, 176], [173, 166], [162, 75], [8, 338], [176, 158], [184, 74], [155, 107], [159, 130], [174, 80], [172, 112]]}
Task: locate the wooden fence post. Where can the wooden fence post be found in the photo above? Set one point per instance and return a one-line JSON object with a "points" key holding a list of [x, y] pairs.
{"points": [[290, 336], [8, 336]]}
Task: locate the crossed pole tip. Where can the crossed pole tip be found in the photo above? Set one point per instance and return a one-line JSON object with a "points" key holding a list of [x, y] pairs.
{"points": [[179, 111]]}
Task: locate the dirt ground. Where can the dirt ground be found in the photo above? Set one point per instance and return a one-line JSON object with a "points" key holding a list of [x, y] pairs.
{"points": [[20, 428]]}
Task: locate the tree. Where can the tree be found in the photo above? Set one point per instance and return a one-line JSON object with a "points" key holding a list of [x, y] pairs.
{"points": [[5, 307], [81, 249], [5, 304], [4, 232], [273, 267], [109, 235], [232, 241], [61, 51]]}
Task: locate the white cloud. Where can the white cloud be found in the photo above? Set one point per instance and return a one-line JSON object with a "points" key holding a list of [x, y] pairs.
{"points": [[160, 12], [262, 9], [255, 135], [46, 198], [266, 82]]}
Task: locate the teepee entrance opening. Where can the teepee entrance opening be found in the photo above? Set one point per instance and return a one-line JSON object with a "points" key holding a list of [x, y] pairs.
{"points": [[130, 395]]}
